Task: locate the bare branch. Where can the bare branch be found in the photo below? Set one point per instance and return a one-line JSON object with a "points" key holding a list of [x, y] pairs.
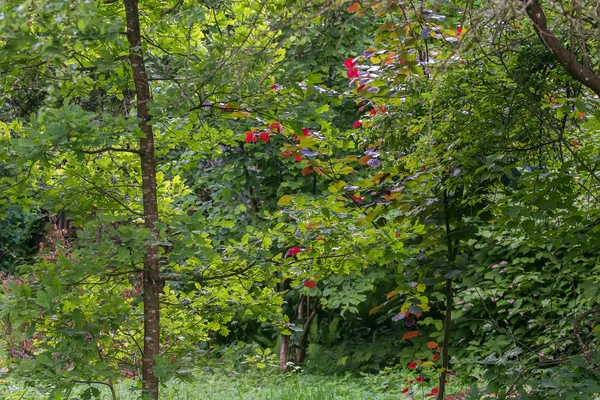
{"points": [[567, 59], [105, 149]]}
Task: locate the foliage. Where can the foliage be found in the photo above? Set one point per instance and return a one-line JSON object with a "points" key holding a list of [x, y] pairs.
{"points": [[435, 218]]}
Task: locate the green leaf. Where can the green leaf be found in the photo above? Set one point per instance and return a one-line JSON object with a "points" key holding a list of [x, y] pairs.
{"points": [[284, 200], [322, 109]]}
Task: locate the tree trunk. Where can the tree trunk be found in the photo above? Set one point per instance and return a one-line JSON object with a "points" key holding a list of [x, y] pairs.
{"points": [[284, 352], [148, 166], [300, 315], [451, 258], [446, 343], [301, 348]]}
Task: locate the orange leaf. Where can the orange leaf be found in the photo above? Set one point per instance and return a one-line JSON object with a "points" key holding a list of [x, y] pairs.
{"points": [[275, 126], [375, 309], [307, 170], [410, 335], [432, 345], [390, 295], [354, 7], [364, 160], [319, 171]]}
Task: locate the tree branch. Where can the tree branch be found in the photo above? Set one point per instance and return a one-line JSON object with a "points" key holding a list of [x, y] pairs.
{"points": [[105, 149], [567, 59]]}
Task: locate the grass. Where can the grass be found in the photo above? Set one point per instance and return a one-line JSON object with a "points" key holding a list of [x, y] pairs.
{"points": [[223, 385], [252, 386]]}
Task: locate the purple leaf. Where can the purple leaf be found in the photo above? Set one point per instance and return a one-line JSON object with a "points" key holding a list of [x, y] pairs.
{"points": [[399, 317], [372, 152]]}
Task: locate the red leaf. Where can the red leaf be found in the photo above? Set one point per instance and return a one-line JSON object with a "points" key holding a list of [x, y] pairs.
{"points": [[305, 131], [574, 143], [309, 283], [286, 154], [458, 31], [249, 136], [581, 115], [404, 390], [410, 382], [307, 170], [361, 87], [420, 379], [274, 87], [412, 365], [298, 159], [293, 251], [357, 198], [373, 111], [435, 390], [352, 73], [295, 137], [435, 357], [264, 136], [410, 335], [357, 124], [349, 63], [382, 109]]}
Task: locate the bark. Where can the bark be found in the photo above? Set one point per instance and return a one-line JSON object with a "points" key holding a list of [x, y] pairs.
{"points": [[152, 282], [566, 58]]}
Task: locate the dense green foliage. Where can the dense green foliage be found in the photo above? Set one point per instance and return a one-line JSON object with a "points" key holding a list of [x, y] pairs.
{"points": [[355, 187]]}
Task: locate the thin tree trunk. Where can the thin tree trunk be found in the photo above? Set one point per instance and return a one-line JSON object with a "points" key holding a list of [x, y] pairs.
{"points": [[446, 343], [111, 385], [148, 166], [301, 348], [451, 257], [284, 352], [300, 315]]}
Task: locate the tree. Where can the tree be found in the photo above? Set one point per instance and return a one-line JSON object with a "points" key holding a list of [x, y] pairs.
{"points": [[82, 142]]}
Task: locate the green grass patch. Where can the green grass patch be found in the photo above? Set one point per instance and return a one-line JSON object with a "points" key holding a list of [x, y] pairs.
{"points": [[224, 385]]}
